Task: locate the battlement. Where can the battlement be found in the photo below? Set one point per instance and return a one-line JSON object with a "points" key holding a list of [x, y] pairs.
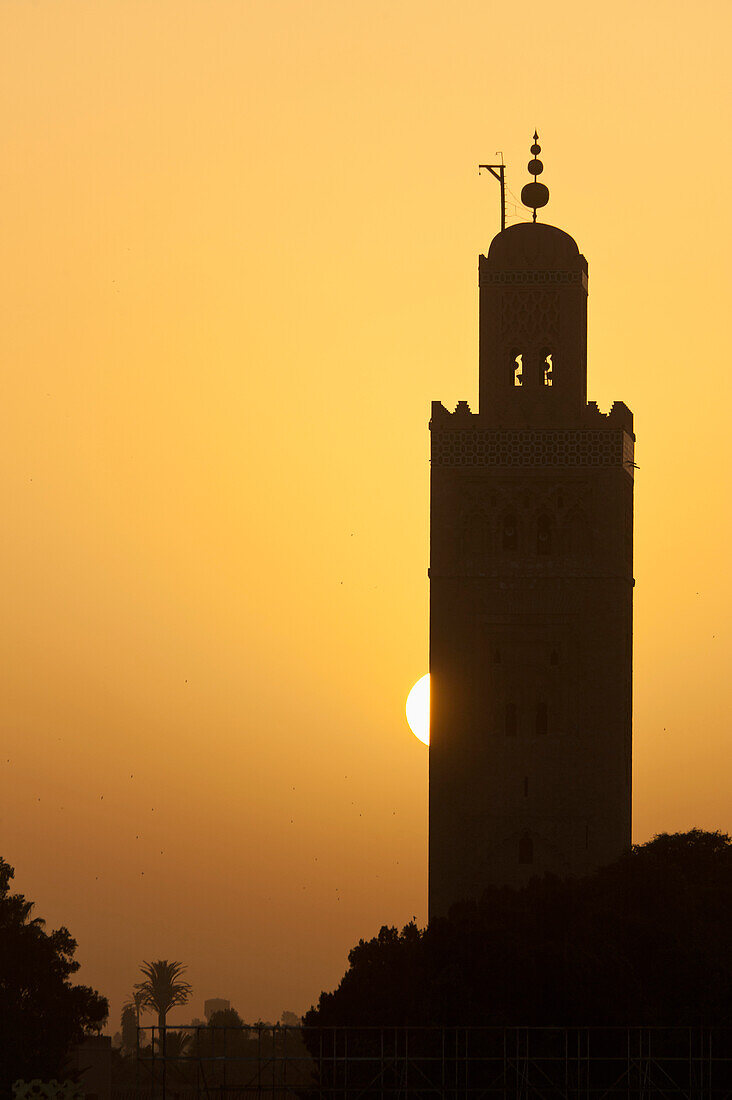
{"points": [[461, 439], [619, 416]]}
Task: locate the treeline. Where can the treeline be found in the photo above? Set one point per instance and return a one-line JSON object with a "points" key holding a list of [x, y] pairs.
{"points": [[43, 1013], [223, 1054], [645, 941]]}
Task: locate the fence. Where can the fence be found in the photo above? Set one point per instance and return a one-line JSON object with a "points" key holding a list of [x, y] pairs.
{"points": [[454, 1063]]}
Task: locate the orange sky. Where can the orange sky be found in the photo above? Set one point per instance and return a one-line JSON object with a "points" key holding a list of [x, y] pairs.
{"points": [[239, 246]]}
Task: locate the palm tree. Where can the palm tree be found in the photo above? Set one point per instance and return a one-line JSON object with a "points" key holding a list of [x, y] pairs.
{"points": [[131, 1010], [177, 1044], [136, 1003], [162, 988]]}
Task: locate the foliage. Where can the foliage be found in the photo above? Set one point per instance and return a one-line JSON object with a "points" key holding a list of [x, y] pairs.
{"points": [[225, 1017], [644, 941], [224, 1037], [177, 1043], [162, 987], [42, 1013], [136, 1003], [127, 1073], [235, 1056], [130, 1022]]}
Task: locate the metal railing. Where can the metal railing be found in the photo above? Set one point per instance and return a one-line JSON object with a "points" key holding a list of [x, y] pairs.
{"points": [[455, 1063]]}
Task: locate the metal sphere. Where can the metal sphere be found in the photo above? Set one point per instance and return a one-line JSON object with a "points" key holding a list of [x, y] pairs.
{"points": [[536, 167], [534, 195], [535, 149]]}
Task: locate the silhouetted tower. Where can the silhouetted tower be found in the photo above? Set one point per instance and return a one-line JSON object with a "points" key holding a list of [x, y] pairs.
{"points": [[531, 588]]}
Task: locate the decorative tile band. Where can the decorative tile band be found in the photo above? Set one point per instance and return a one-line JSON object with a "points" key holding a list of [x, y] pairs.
{"points": [[485, 447], [531, 277]]}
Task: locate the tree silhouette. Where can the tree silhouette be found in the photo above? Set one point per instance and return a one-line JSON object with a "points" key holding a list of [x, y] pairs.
{"points": [[162, 988], [129, 1029], [225, 1017], [644, 941], [42, 1013], [177, 1044], [131, 1011], [136, 1004]]}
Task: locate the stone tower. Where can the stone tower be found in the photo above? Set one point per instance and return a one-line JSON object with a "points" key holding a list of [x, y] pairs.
{"points": [[531, 590]]}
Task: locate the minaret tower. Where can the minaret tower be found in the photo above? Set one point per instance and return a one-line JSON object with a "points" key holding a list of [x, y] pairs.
{"points": [[531, 588]]}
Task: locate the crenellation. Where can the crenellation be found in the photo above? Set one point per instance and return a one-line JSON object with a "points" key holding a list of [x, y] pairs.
{"points": [[621, 415]]}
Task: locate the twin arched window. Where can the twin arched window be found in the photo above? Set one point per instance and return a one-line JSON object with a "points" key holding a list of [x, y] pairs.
{"points": [[532, 368], [541, 719], [477, 533], [544, 534]]}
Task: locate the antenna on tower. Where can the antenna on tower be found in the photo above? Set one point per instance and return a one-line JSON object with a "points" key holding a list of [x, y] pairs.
{"points": [[498, 171]]}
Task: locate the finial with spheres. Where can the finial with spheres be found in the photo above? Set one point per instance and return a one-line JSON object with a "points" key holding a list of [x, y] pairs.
{"points": [[535, 195]]}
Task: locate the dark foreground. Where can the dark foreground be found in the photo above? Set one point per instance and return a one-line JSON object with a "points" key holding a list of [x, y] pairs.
{"points": [[378, 1063]]}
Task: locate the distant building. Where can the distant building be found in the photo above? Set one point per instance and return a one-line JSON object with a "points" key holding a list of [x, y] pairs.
{"points": [[531, 589], [215, 1004]]}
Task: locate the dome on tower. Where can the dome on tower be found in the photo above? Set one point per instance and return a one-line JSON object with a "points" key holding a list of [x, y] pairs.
{"points": [[534, 246]]}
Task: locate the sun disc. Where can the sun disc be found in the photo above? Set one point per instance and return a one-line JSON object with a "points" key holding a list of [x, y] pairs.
{"points": [[418, 709]]}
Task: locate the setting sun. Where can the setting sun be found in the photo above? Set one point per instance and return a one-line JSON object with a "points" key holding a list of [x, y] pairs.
{"points": [[418, 709]]}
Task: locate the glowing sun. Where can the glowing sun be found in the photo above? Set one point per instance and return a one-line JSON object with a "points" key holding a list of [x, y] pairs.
{"points": [[418, 709]]}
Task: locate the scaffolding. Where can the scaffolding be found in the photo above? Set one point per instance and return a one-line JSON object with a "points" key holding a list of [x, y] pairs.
{"points": [[417, 1063]]}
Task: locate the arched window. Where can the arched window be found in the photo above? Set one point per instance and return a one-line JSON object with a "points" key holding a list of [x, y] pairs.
{"points": [[510, 532], [517, 363], [511, 720], [526, 849], [548, 367], [542, 720], [544, 535]]}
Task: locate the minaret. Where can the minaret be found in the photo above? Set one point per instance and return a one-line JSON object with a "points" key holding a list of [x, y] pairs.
{"points": [[531, 588]]}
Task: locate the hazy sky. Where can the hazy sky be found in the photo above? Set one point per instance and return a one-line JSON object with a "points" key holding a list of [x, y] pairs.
{"points": [[238, 259]]}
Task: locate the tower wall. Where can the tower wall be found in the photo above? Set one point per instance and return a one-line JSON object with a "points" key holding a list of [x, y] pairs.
{"points": [[531, 593]]}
